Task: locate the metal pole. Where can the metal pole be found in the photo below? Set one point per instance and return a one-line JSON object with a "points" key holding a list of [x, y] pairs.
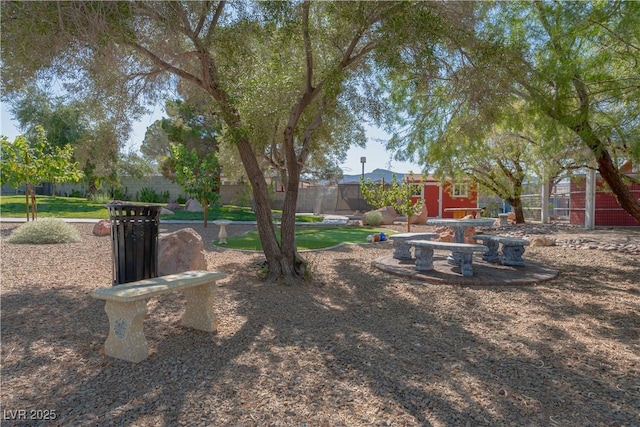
{"points": [[363, 160]]}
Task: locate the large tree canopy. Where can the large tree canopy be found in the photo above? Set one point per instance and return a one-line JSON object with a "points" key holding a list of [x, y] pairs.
{"points": [[574, 63], [275, 73]]}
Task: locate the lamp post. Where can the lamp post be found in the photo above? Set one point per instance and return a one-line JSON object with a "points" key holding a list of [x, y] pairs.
{"points": [[363, 160]]}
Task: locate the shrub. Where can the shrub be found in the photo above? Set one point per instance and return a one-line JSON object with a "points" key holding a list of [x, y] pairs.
{"points": [[373, 218], [120, 194], [102, 198], [181, 200], [149, 195], [48, 230]]}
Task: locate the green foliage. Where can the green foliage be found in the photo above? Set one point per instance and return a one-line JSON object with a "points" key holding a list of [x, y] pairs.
{"points": [[181, 199], [149, 195], [101, 198], [31, 162], [44, 231], [373, 218], [121, 194], [198, 175], [376, 195]]}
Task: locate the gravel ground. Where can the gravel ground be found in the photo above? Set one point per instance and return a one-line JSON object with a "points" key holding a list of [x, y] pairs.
{"points": [[354, 347]]}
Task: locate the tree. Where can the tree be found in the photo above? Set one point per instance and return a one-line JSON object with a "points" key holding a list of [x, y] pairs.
{"points": [[29, 163], [198, 176], [575, 63], [80, 123], [402, 193], [579, 66], [271, 71]]}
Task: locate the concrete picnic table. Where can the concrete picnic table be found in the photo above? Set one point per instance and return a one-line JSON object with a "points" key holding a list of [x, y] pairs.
{"points": [[459, 226]]}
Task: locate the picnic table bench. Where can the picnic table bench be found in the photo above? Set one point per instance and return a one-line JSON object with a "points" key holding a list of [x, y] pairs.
{"points": [[512, 249], [401, 249], [424, 254], [126, 306]]}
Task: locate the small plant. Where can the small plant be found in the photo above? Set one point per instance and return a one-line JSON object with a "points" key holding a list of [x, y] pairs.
{"points": [[45, 231], [101, 198], [119, 194], [77, 194], [181, 200], [373, 218], [149, 195]]}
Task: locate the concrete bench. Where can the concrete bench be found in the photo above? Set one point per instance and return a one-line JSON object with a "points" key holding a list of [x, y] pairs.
{"points": [[401, 250], [512, 249], [126, 306], [424, 254]]}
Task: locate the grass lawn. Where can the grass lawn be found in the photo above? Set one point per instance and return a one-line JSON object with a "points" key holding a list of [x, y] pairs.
{"points": [[49, 206], [73, 207], [311, 237]]}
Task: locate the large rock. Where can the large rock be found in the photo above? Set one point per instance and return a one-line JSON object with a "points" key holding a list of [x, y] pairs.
{"points": [[542, 241], [173, 206], [421, 217], [389, 215], [193, 205], [182, 250], [165, 211], [102, 228]]}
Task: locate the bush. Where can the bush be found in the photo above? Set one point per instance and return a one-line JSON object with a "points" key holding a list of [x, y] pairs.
{"points": [[48, 230], [373, 218], [101, 198], [120, 194], [149, 195]]}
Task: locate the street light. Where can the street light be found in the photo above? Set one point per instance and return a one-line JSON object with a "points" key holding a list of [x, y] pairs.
{"points": [[363, 160]]}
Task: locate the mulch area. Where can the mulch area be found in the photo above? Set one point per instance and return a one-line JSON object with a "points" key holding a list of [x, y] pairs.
{"points": [[355, 346]]}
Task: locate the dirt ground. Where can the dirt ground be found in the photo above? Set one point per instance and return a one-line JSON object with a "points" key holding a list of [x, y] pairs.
{"points": [[353, 347]]}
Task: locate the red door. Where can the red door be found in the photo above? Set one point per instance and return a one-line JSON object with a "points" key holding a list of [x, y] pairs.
{"points": [[432, 199]]}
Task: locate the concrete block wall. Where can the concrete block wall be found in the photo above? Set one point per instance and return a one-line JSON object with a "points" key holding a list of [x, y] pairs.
{"points": [[319, 200]]}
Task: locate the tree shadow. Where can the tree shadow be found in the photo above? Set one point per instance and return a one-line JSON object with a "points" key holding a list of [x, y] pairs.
{"points": [[425, 360]]}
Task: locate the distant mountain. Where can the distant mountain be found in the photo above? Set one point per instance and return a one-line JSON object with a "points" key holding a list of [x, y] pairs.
{"points": [[377, 175]]}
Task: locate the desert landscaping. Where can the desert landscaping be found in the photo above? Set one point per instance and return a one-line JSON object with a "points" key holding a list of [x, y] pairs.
{"points": [[352, 347]]}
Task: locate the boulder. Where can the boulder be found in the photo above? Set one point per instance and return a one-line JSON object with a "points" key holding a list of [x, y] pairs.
{"points": [[102, 228], [173, 206], [421, 217], [165, 211], [446, 234], [193, 205], [182, 250], [542, 241], [389, 215], [468, 235], [511, 217]]}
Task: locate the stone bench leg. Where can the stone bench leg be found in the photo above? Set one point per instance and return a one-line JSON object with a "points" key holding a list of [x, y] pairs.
{"points": [[492, 254], [424, 258], [401, 249], [512, 255], [199, 313], [466, 265], [454, 258], [126, 339]]}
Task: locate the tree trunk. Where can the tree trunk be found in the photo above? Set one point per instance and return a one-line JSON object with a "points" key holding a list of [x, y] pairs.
{"points": [[516, 204], [206, 212], [608, 171], [280, 267]]}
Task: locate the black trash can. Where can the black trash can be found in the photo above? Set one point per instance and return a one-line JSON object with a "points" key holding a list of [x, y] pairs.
{"points": [[134, 241]]}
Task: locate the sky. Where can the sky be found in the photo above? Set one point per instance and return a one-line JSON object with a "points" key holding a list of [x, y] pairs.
{"points": [[375, 153]]}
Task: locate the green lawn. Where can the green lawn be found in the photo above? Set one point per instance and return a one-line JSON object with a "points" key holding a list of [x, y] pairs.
{"points": [[73, 207], [48, 206], [311, 237]]}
